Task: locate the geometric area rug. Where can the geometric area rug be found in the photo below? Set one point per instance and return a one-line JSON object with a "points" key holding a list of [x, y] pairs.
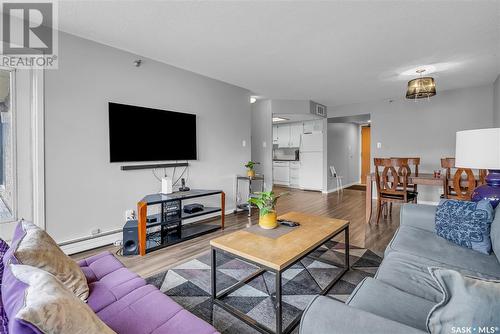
{"points": [[189, 285]]}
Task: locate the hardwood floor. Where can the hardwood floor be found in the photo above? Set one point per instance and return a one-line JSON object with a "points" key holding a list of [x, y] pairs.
{"points": [[349, 205]]}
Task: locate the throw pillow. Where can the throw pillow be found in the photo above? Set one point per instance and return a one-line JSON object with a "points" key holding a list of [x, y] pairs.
{"points": [[38, 249], [50, 307], [4, 322], [468, 302], [465, 223]]}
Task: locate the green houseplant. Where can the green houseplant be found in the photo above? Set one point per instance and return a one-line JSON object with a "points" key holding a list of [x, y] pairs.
{"points": [[250, 171], [266, 202]]}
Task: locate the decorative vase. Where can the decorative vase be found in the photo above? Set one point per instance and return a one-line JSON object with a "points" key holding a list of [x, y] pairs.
{"points": [[250, 173], [490, 190], [268, 221]]}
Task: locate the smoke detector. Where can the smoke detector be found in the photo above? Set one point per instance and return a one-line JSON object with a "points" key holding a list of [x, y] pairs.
{"points": [[137, 62]]}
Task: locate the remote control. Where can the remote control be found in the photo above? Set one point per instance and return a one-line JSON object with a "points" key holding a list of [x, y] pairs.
{"points": [[288, 223]]}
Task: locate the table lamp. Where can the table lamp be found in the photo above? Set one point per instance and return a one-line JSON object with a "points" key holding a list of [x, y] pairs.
{"points": [[480, 149]]}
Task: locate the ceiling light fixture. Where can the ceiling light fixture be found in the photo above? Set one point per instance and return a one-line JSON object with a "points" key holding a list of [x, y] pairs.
{"points": [[423, 87], [279, 119], [253, 99]]}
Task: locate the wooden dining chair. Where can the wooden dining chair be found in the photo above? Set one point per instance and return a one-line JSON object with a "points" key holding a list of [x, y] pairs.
{"points": [[459, 183], [411, 165], [391, 178]]}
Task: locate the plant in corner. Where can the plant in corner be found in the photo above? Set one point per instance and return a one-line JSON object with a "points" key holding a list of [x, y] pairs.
{"points": [[250, 171], [266, 202]]}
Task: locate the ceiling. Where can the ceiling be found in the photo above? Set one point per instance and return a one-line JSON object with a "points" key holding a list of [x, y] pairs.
{"points": [[333, 52]]}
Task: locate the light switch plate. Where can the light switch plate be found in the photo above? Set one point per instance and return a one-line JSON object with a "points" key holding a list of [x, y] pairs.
{"points": [[379, 145]]}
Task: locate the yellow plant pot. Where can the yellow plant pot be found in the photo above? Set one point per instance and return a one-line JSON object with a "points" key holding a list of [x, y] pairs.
{"points": [[250, 173], [268, 221]]}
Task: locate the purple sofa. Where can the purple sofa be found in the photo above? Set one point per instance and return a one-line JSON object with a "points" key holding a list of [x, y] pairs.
{"points": [[119, 297]]}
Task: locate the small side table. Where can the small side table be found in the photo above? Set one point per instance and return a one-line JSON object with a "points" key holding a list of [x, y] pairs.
{"points": [[245, 206]]}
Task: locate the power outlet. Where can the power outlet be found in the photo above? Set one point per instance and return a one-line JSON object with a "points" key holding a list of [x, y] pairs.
{"points": [[129, 214], [118, 243]]}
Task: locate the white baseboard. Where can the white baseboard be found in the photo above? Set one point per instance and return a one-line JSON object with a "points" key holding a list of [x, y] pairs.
{"points": [[81, 246], [78, 245], [343, 187]]}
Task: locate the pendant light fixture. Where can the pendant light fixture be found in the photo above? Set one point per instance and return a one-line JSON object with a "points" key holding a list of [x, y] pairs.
{"points": [[423, 87]]}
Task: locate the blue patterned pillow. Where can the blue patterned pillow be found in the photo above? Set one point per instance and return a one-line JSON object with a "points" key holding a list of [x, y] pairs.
{"points": [[4, 322], [466, 223]]}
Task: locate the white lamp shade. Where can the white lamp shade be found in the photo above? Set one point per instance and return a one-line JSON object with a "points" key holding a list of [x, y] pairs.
{"points": [[479, 149]]}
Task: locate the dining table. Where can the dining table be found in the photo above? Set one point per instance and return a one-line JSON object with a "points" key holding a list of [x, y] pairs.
{"points": [[424, 179]]}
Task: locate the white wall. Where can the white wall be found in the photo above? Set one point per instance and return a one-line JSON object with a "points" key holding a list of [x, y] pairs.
{"points": [[424, 128], [496, 102], [344, 152], [84, 190], [290, 106], [262, 135]]}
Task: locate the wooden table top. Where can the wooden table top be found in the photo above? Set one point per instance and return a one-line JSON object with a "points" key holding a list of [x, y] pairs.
{"points": [[280, 252]]}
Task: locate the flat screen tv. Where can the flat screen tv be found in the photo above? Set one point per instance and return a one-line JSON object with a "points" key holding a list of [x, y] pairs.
{"points": [[145, 134]]}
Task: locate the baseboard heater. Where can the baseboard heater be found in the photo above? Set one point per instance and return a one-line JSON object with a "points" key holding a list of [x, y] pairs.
{"points": [[151, 166]]}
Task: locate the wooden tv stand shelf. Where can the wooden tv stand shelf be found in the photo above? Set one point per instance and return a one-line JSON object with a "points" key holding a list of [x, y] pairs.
{"points": [[165, 228]]}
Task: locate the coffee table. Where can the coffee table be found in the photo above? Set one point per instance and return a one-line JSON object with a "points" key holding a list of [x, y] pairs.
{"points": [[276, 255]]}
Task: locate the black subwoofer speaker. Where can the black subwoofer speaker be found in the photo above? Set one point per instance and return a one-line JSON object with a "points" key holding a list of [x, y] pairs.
{"points": [[130, 238]]}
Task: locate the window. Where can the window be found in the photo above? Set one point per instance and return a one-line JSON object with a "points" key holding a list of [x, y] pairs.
{"points": [[7, 147]]}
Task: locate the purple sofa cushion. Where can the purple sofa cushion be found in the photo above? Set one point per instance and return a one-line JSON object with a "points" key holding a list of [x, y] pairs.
{"points": [[4, 322], [108, 280], [120, 298], [159, 314]]}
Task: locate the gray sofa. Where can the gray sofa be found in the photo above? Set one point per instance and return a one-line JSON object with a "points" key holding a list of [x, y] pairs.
{"points": [[400, 296]]}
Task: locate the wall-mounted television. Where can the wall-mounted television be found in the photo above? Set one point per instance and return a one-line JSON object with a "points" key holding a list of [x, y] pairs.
{"points": [[145, 134]]}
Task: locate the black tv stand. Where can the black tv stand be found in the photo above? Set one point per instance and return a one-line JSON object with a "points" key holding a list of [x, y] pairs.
{"points": [[167, 227]]}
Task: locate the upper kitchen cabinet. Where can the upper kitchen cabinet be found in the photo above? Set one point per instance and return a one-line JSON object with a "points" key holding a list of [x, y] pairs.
{"points": [[287, 135], [296, 130], [283, 135]]}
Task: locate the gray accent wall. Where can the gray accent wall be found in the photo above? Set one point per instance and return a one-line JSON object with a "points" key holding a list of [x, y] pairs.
{"points": [[344, 153], [84, 191], [424, 128]]}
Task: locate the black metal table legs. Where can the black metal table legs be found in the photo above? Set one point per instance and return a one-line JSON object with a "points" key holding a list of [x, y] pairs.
{"points": [[278, 304]]}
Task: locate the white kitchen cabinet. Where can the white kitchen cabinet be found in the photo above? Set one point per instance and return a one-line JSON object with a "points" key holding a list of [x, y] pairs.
{"points": [[296, 130], [281, 172], [275, 134], [283, 135]]}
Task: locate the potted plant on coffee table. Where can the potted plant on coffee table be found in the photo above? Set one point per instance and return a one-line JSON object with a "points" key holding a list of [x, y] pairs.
{"points": [[266, 202], [250, 171]]}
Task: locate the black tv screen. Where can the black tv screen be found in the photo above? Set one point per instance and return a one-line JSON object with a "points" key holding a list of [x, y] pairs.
{"points": [[145, 134]]}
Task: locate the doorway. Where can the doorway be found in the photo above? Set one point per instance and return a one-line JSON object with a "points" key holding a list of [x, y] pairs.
{"points": [[365, 152]]}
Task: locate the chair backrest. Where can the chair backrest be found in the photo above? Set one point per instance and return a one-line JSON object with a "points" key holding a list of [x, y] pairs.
{"points": [[455, 185], [388, 178], [333, 172], [411, 166]]}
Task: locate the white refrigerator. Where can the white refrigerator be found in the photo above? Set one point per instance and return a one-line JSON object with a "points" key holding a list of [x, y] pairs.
{"points": [[311, 161]]}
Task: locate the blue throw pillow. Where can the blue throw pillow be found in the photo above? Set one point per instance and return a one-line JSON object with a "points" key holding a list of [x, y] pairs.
{"points": [[4, 322], [466, 223]]}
